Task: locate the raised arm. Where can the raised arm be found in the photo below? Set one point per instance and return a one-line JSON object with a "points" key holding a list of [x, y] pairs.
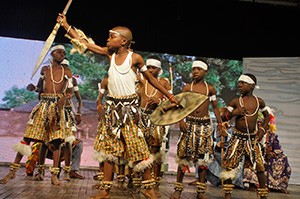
{"points": [[71, 32]]}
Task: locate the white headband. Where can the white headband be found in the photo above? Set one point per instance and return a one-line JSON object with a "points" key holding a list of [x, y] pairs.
{"points": [[153, 62], [57, 47], [65, 62], [200, 64], [156, 63], [117, 33], [247, 79]]}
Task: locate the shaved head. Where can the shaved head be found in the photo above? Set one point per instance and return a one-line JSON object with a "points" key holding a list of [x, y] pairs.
{"points": [[124, 32]]}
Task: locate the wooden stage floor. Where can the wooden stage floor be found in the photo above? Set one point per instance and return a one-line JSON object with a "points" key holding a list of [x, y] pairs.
{"points": [[25, 187]]}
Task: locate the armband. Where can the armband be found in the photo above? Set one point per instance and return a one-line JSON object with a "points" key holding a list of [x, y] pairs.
{"points": [[266, 108], [75, 88], [213, 98], [171, 96], [70, 82], [230, 109], [102, 90], [143, 69], [226, 116]]}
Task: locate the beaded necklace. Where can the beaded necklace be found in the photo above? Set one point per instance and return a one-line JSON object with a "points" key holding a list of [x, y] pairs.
{"points": [[62, 75], [242, 105], [207, 92], [253, 155], [153, 91]]}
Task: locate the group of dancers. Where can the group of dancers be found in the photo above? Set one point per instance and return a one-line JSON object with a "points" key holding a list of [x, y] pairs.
{"points": [[126, 135]]}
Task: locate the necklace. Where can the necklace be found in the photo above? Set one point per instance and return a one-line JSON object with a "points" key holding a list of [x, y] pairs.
{"points": [[153, 92], [242, 105], [62, 75], [207, 92]]}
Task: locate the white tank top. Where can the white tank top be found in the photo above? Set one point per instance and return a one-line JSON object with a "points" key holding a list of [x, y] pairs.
{"points": [[121, 78]]}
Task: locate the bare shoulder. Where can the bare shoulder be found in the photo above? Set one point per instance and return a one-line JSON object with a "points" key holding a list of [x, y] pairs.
{"points": [[137, 60], [163, 80], [211, 89], [186, 88], [234, 102], [44, 69], [261, 102], [68, 72]]}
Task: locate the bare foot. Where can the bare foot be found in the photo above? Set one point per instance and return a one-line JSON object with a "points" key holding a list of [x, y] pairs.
{"points": [[67, 176], [101, 194], [9, 176], [193, 183], [55, 180], [284, 191], [201, 196], [121, 186], [135, 194], [227, 196], [149, 194], [96, 186], [40, 176], [176, 195], [156, 189]]}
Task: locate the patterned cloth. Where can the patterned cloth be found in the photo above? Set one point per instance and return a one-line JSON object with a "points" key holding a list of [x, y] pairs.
{"points": [[33, 158], [277, 168], [153, 134], [197, 144], [119, 134], [70, 121], [46, 122], [76, 155], [239, 145]]}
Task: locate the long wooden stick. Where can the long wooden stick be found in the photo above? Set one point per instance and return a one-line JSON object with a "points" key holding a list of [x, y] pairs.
{"points": [[49, 42], [171, 76]]}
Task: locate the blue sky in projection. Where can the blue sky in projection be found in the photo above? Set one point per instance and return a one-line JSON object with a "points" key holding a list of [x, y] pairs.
{"points": [[17, 60]]}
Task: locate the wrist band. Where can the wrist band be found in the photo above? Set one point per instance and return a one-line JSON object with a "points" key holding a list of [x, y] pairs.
{"points": [[226, 116], [171, 96], [69, 28]]}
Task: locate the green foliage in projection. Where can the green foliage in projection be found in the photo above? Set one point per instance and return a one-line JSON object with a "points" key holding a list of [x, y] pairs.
{"points": [[91, 68], [16, 97]]}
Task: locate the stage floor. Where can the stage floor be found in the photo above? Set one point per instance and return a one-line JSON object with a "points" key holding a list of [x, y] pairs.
{"points": [[25, 187]]}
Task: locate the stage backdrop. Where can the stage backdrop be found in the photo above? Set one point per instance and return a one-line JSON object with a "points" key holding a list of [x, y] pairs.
{"points": [[18, 58]]}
